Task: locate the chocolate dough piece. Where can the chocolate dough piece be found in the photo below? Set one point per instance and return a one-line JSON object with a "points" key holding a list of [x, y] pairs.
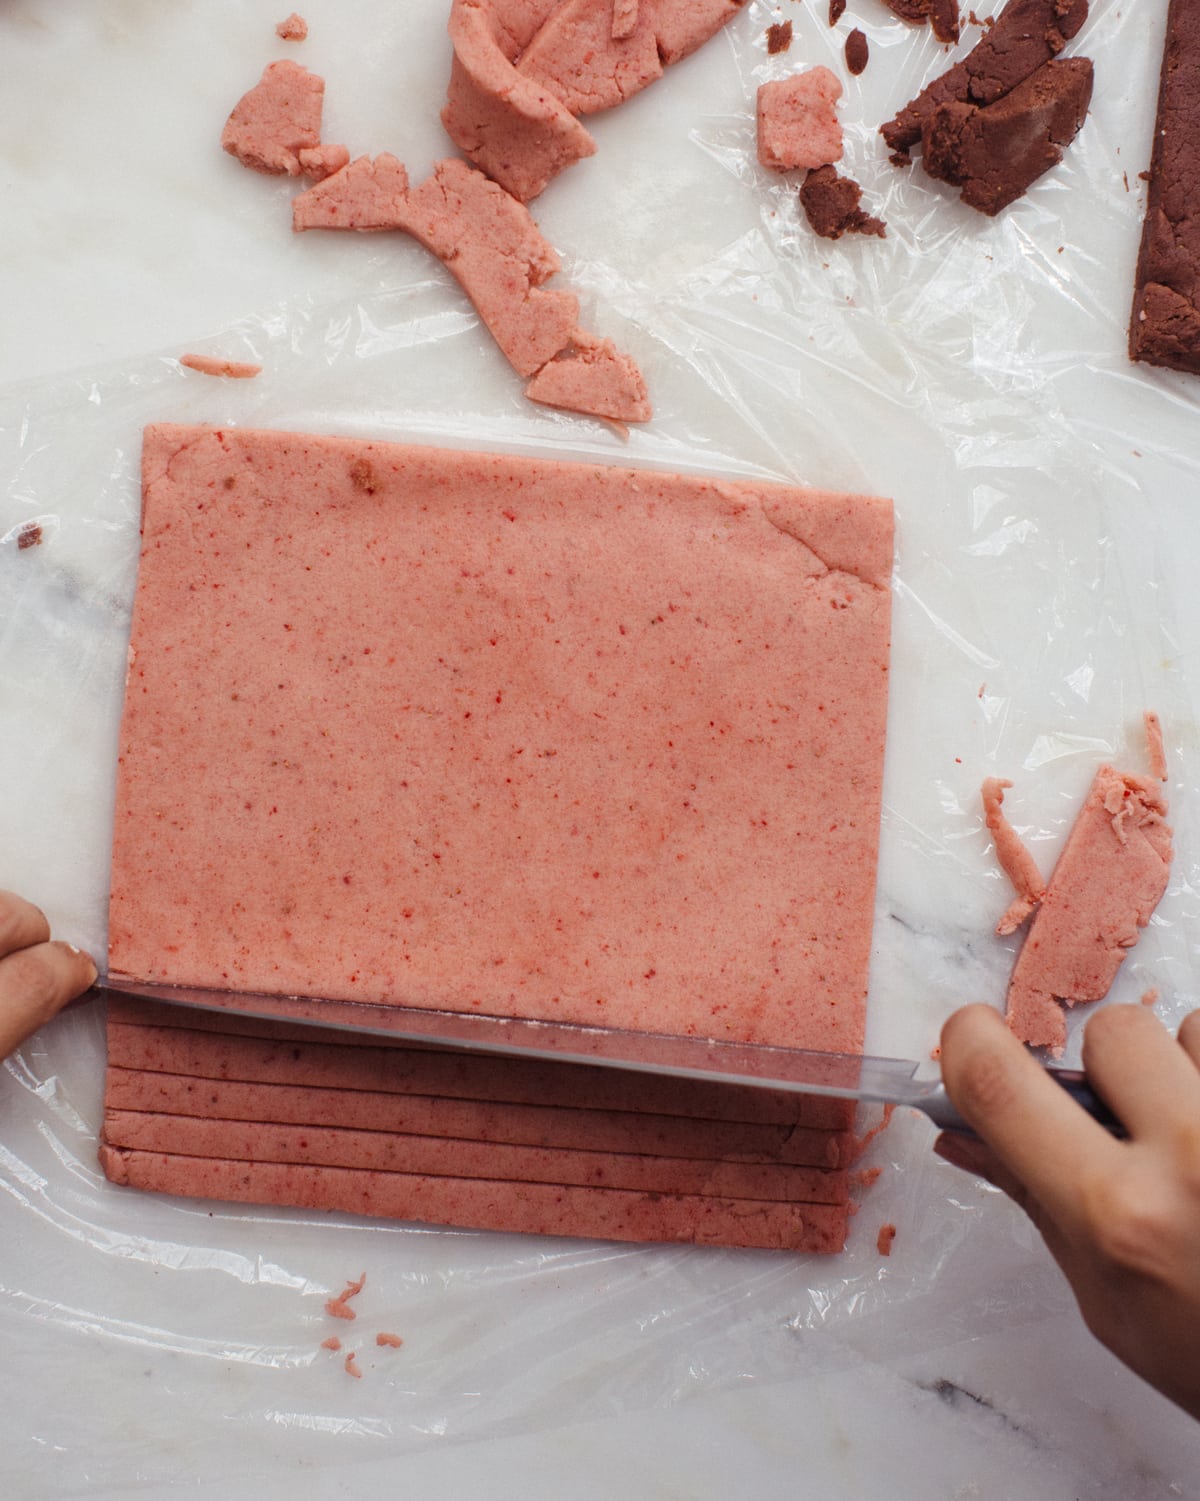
{"points": [[1027, 34], [831, 204], [995, 153], [836, 10], [943, 17], [857, 52], [1165, 325]]}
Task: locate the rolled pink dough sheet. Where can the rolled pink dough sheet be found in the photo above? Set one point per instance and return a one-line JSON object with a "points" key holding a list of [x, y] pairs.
{"points": [[1108, 880], [531, 1208], [561, 741]]}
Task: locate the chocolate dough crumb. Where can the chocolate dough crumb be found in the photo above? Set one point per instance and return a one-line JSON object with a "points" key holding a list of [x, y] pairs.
{"points": [[943, 17], [779, 38], [857, 52], [30, 535], [831, 205], [916, 11], [995, 154], [837, 9]]}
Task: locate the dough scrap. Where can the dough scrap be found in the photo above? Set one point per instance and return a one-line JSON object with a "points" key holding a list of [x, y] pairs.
{"points": [[797, 120], [276, 120]]}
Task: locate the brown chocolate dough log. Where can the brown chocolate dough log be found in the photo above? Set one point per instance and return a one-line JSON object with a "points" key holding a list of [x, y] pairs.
{"points": [[1165, 325]]}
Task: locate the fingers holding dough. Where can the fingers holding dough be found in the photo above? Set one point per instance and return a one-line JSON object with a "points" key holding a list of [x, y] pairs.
{"points": [[35, 983]]}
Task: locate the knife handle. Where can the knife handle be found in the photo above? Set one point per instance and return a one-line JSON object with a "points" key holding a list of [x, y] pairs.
{"points": [[938, 1107]]}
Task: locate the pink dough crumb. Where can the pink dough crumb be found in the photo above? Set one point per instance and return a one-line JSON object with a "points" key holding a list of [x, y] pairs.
{"points": [[797, 121], [293, 29], [1154, 746], [887, 1234], [388, 1341], [1108, 881], [1150, 997], [339, 1307], [863, 1142], [1015, 860], [625, 19], [276, 120], [231, 369], [350, 1366], [319, 162], [864, 1177], [332, 1343], [935, 1052]]}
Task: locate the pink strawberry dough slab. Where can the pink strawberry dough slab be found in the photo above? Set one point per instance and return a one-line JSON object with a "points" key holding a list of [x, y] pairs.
{"points": [[531, 1208], [455, 1157], [539, 739], [797, 120], [1108, 880], [474, 1120], [453, 1074]]}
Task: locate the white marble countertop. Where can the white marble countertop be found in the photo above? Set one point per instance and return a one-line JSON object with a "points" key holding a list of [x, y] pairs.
{"points": [[1048, 538]]}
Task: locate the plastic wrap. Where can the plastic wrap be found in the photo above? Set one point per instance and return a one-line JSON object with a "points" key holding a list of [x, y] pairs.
{"points": [[972, 369]]}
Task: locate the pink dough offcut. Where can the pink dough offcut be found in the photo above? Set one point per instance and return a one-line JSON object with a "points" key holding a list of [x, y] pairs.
{"points": [[797, 121]]}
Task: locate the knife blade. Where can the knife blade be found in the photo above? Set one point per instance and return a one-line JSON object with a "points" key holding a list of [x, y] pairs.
{"points": [[848, 1076]]}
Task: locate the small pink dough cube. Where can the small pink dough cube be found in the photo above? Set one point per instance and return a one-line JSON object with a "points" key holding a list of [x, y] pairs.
{"points": [[797, 121]]}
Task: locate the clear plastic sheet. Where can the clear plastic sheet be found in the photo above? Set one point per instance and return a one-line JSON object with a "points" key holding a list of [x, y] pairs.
{"points": [[975, 371]]}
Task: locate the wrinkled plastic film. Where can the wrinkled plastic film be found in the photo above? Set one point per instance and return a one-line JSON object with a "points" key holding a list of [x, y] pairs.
{"points": [[968, 368]]}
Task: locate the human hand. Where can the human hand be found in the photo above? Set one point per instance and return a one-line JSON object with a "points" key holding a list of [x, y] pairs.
{"points": [[37, 977], [1121, 1218]]}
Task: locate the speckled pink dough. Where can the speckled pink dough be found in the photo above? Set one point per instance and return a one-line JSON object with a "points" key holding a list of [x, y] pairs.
{"points": [[1107, 883], [473, 1120], [207, 364], [579, 56], [547, 740], [323, 161], [593, 376], [1015, 860], [516, 130], [276, 120], [797, 121], [1155, 753], [530, 1208], [454, 1157], [364, 195], [288, 1058]]}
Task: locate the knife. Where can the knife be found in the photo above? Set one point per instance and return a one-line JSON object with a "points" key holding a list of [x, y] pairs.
{"points": [[846, 1076]]}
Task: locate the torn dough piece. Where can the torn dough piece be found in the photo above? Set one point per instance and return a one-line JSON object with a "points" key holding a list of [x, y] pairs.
{"points": [[1106, 884], [293, 28], [996, 152], [1015, 860], [276, 120], [591, 375], [797, 120], [576, 795], [1027, 34], [323, 161], [832, 205], [491, 245]]}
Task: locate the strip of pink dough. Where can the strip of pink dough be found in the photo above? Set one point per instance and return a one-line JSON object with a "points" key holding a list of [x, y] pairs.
{"points": [[1108, 881], [526, 1208], [1015, 859], [475, 1120], [456, 1075], [232, 369], [1155, 752], [452, 1157]]}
